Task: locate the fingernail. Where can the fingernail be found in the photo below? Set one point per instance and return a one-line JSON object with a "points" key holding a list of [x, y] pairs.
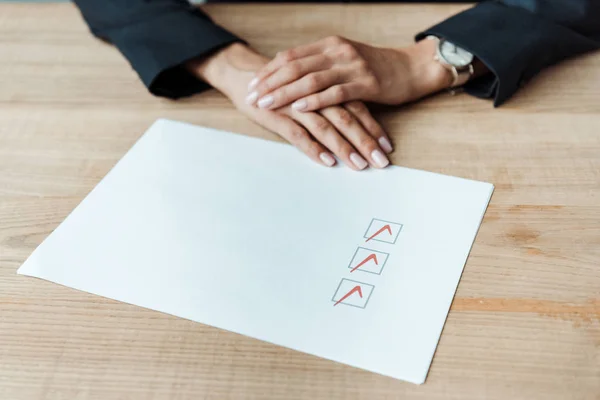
{"points": [[299, 105], [380, 159], [265, 101], [385, 144], [251, 98], [252, 84], [358, 161], [327, 159]]}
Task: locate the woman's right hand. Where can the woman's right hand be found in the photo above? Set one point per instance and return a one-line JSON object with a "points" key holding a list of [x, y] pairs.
{"points": [[346, 131]]}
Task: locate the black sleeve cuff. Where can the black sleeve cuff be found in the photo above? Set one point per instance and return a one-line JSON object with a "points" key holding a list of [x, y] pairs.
{"points": [[158, 47], [515, 44]]}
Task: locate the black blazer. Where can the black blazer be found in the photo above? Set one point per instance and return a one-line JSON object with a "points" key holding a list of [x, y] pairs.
{"points": [[514, 38]]}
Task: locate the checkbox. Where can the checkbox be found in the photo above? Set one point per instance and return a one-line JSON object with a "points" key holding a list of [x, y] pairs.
{"points": [[352, 293], [384, 231], [368, 260]]}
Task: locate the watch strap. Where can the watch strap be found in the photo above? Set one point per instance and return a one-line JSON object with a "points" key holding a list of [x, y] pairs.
{"points": [[461, 76]]}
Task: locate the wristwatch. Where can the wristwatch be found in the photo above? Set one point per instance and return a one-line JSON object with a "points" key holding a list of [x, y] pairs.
{"points": [[455, 59]]}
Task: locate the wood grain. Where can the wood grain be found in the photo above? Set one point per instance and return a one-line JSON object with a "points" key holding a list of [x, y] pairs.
{"points": [[525, 323]]}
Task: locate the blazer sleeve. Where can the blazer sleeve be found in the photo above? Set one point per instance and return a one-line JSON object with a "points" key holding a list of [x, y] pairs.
{"points": [[157, 37], [516, 39]]}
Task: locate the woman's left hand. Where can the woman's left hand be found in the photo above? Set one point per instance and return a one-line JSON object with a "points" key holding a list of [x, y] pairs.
{"points": [[336, 70]]}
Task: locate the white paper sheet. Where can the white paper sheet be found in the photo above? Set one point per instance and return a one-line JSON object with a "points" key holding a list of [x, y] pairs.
{"points": [[253, 237]]}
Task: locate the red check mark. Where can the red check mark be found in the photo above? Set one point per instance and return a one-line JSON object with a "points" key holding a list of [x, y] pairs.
{"points": [[366, 260], [385, 227], [354, 289], [350, 293]]}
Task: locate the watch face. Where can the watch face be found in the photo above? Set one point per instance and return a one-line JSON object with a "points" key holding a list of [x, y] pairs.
{"points": [[454, 55]]}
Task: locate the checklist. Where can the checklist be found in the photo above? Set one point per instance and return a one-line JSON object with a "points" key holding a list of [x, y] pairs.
{"points": [[358, 268], [372, 261]]}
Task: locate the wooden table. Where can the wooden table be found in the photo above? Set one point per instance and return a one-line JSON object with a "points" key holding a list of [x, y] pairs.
{"points": [[525, 323]]}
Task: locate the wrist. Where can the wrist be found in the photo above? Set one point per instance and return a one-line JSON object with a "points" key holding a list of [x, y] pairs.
{"points": [[427, 74], [222, 66]]}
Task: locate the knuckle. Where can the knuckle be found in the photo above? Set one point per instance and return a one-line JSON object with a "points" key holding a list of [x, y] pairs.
{"points": [[371, 125], [363, 66], [344, 118], [314, 102], [329, 60], [356, 107], [338, 93], [296, 135], [279, 96], [293, 69], [265, 86], [286, 56], [348, 50], [366, 142], [313, 82], [335, 40], [322, 125], [338, 55], [372, 82]]}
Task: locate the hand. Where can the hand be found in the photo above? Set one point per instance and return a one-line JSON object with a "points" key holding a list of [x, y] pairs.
{"points": [[337, 70], [347, 131]]}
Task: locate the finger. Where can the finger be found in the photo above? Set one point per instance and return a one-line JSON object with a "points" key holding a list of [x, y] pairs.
{"points": [[311, 83], [357, 135], [297, 136], [332, 96], [290, 73], [363, 115], [284, 57], [325, 133]]}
